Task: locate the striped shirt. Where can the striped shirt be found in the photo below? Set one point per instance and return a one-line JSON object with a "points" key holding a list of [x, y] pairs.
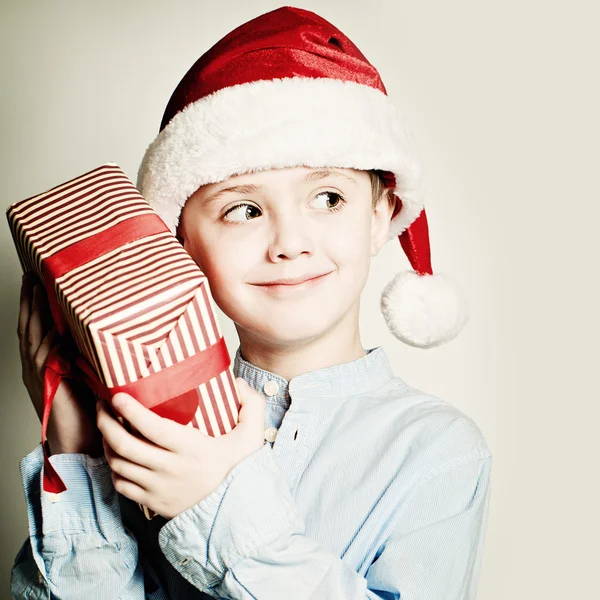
{"points": [[364, 488]]}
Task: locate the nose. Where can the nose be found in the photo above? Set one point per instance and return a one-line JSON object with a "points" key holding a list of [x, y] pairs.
{"points": [[290, 237]]}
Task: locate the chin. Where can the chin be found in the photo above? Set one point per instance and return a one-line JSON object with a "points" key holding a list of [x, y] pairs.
{"points": [[287, 331]]}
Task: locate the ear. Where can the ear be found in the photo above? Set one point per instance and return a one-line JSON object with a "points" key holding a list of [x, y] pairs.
{"points": [[180, 230], [380, 222]]}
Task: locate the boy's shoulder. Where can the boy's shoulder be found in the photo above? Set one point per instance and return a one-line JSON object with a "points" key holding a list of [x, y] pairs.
{"points": [[444, 434]]}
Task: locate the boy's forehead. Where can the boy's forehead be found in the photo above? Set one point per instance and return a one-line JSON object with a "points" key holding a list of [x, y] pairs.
{"points": [[284, 175]]}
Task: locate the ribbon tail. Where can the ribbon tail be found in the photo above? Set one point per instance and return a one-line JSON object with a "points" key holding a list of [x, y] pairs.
{"points": [[53, 373]]}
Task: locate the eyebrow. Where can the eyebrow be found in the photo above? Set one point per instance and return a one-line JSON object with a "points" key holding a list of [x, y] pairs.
{"points": [[322, 174], [253, 189], [239, 189]]}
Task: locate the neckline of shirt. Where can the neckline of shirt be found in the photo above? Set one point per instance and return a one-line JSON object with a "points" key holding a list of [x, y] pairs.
{"points": [[360, 376]]}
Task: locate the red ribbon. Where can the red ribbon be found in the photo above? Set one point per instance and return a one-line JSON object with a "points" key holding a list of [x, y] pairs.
{"points": [[56, 368], [153, 391]]}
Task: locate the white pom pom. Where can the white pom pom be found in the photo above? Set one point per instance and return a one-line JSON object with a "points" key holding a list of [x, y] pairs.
{"points": [[423, 310]]}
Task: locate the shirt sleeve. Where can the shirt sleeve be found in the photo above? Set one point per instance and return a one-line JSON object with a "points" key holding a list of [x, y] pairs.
{"points": [[77, 546], [247, 540], [435, 550]]}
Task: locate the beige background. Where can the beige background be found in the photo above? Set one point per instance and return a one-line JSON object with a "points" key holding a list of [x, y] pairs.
{"points": [[503, 100]]}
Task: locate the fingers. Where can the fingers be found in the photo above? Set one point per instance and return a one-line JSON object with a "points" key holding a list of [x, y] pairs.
{"points": [[129, 489], [41, 354], [24, 312], [126, 469], [162, 432], [35, 329], [253, 405], [34, 322], [126, 444]]}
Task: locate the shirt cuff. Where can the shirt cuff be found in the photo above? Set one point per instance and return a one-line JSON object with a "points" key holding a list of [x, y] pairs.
{"points": [[250, 508], [89, 504]]}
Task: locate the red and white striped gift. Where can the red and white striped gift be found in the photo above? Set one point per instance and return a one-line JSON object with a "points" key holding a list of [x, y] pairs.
{"points": [[135, 303]]}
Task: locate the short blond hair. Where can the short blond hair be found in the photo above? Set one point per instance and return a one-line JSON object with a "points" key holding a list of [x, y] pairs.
{"points": [[378, 188]]}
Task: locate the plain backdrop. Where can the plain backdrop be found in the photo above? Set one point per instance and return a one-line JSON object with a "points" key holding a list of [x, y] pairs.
{"points": [[503, 101]]}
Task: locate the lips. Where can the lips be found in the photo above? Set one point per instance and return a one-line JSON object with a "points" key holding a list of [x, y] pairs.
{"points": [[293, 280]]}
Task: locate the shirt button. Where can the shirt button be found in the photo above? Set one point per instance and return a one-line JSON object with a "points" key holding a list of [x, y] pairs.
{"points": [[184, 561], [270, 434], [40, 577], [271, 388]]}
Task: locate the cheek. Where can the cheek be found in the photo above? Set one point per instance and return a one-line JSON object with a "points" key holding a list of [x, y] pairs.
{"points": [[197, 251], [223, 265], [353, 259], [349, 245]]}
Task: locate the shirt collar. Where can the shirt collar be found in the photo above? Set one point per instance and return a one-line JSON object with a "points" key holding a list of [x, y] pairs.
{"points": [[360, 376]]}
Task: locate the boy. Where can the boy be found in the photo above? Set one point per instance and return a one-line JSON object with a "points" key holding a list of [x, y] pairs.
{"points": [[283, 169]]}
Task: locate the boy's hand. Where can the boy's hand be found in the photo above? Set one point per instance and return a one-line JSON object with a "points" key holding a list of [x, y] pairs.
{"points": [[71, 427], [175, 466]]}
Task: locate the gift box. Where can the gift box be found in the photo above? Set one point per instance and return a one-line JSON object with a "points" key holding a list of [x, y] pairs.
{"points": [[125, 294]]}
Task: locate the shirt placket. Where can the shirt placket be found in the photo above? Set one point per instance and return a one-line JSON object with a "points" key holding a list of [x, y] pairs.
{"points": [[292, 445]]}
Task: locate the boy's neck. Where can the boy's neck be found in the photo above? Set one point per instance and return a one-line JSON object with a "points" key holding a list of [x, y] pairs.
{"points": [[338, 348]]}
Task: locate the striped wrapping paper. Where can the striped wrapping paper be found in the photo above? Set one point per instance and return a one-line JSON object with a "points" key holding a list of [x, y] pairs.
{"points": [[135, 303]]}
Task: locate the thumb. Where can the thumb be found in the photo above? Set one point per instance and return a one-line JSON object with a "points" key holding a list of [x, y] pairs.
{"points": [[253, 405]]}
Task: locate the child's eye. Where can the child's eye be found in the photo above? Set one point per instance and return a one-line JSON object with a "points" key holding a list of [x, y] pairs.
{"points": [[240, 215], [332, 200]]}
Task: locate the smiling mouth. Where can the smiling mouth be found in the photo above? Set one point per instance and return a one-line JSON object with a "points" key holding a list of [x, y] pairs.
{"points": [[283, 284]]}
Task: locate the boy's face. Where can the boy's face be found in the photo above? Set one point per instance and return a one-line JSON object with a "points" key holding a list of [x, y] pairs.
{"points": [[253, 229]]}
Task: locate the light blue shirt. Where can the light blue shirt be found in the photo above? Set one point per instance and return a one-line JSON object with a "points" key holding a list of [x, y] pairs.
{"points": [[371, 489]]}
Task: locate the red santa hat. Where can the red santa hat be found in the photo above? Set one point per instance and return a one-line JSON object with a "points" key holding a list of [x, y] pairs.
{"points": [[289, 89]]}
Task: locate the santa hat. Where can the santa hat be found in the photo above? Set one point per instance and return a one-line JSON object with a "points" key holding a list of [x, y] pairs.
{"points": [[289, 89]]}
